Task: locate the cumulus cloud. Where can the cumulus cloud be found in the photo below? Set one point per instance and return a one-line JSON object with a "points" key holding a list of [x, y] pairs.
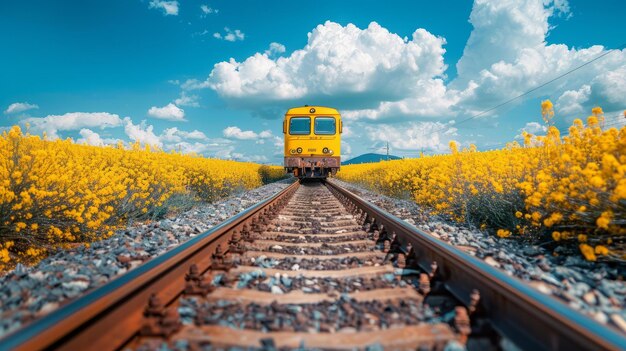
{"points": [[534, 128], [265, 134], [52, 124], [234, 132], [142, 133], [90, 137], [610, 87], [230, 35], [275, 49], [571, 101], [338, 62], [174, 135], [168, 7], [505, 56], [20, 107], [182, 141], [513, 33], [187, 100], [169, 112], [414, 136], [375, 76], [378, 75]]}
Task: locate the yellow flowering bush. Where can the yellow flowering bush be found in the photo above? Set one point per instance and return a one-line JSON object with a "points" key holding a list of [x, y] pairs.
{"points": [[55, 193], [562, 188]]}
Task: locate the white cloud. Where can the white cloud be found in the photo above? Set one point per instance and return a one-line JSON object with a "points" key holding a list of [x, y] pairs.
{"points": [[141, 133], [171, 139], [237, 133], [433, 101], [533, 128], [187, 100], [346, 131], [168, 7], [414, 136], [174, 135], [234, 132], [168, 112], [507, 53], [230, 35], [279, 142], [72, 121], [571, 101], [346, 151], [375, 75], [90, 137], [20, 107], [338, 63], [610, 87], [175, 139], [275, 49], [225, 152], [207, 10], [265, 134]]}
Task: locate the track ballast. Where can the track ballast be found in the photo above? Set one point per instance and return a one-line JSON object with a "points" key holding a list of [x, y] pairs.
{"points": [[314, 267]]}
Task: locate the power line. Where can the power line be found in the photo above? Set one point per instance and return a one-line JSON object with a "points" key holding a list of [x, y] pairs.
{"points": [[533, 89], [617, 123]]}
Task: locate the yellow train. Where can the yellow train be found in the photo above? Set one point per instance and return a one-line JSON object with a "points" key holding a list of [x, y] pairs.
{"points": [[312, 141]]}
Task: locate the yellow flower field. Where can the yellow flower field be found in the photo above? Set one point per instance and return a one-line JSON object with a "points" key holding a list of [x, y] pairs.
{"points": [[562, 188], [55, 193]]}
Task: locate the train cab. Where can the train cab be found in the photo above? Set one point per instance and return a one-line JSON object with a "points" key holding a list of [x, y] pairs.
{"points": [[312, 141]]}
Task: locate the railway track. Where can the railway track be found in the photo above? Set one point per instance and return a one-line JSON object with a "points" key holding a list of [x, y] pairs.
{"points": [[314, 267]]}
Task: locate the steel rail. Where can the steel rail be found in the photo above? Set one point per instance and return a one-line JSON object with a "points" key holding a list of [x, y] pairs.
{"points": [[530, 319], [109, 316]]}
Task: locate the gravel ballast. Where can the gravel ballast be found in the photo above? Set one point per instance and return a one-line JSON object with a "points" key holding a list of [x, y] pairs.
{"points": [[596, 289], [30, 292]]}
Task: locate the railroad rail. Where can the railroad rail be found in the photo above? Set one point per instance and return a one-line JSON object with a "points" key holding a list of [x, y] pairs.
{"points": [[314, 266]]}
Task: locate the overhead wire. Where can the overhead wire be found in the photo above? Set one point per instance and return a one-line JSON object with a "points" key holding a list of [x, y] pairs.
{"points": [[531, 90], [618, 122]]}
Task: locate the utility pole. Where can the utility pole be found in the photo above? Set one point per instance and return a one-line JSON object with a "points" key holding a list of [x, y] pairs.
{"points": [[387, 151]]}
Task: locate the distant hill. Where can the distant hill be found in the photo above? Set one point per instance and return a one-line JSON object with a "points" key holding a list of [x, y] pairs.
{"points": [[369, 158]]}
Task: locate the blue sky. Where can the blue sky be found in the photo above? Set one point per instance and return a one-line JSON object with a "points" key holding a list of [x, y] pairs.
{"points": [[215, 77]]}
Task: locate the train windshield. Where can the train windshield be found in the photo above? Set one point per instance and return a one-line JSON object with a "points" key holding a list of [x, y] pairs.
{"points": [[300, 126], [325, 125]]}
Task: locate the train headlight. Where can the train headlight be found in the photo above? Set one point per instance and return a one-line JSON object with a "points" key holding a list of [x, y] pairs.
{"points": [[292, 151], [330, 152], [299, 150], [325, 150]]}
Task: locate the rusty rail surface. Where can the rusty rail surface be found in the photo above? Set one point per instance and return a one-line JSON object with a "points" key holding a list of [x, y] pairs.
{"points": [[109, 316], [532, 320]]}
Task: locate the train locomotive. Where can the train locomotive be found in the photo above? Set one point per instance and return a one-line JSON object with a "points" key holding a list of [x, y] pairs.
{"points": [[312, 141]]}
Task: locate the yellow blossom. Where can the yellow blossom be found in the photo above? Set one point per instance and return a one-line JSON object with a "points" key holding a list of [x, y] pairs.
{"points": [[576, 181], [601, 250], [587, 252]]}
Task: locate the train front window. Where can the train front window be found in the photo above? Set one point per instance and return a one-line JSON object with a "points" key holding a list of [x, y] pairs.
{"points": [[300, 126], [325, 126]]}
